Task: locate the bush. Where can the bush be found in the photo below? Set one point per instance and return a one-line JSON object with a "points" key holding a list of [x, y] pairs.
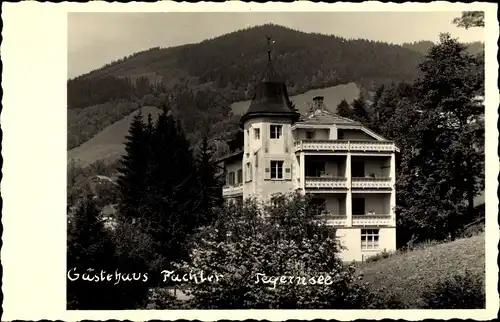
{"points": [[382, 255], [461, 291], [383, 299], [284, 239]]}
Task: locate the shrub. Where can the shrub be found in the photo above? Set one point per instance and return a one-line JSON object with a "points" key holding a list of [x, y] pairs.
{"points": [[461, 291], [382, 255], [284, 239], [382, 299]]}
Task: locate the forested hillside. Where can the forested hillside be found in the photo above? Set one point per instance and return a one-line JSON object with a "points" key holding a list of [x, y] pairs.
{"points": [[227, 67], [423, 46]]}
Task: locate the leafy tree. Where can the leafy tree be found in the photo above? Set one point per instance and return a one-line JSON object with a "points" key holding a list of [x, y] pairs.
{"points": [[283, 238], [470, 19], [450, 88], [438, 123], [343, 109]]}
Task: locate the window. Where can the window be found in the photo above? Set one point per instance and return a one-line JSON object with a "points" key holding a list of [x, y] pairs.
{"points": [[358, 169], [276, 131], [240, 176], [309, 135], [369, 238], [358, 206], [340, 135], [256, 134], [249, 172], [230, 178], [276, 169]]}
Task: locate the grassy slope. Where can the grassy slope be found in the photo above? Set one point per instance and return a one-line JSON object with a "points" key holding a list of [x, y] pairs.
{"points": [[407, 275], [108, 144], [333, 95]]}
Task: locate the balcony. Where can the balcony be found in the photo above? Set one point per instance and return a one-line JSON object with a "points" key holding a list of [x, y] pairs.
{"points": [[371, 183], [334, 219], [371, 220], [341, 145], [326, 183], [232, 191]]}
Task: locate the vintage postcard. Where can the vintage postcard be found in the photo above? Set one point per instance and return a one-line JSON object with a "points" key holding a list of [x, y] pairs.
{"points": [[240, 160]]}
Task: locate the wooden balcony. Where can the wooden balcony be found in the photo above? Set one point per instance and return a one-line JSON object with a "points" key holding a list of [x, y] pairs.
{"points": [[343, 145], [371, 183], [232, 191], [372, 220], [326, 182]]}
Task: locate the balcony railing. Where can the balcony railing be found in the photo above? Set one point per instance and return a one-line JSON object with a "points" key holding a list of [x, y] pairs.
{"points": [[326, 183], [343, 145], [371, 220], [371, 183], [334, 219], [230, 191]]}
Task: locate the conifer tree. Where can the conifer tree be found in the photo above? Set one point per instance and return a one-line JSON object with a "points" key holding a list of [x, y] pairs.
{"points": [[89, 247], [170, 193], [208, 182], [133, 167], [343, 109], [360, 111], [92, 250]]}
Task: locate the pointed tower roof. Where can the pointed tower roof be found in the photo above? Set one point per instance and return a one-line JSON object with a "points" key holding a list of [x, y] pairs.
{"points": [[271, 95]]}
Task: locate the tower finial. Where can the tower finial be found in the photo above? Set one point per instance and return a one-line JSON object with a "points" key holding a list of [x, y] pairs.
{"points": [[269, 42]]}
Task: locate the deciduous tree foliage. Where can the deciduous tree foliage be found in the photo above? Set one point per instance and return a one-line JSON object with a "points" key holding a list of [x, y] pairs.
{"points": [[470, 19], [282, 239], [438, 124]]}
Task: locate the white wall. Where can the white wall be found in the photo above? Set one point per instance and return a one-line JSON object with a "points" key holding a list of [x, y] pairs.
{"points": [[351, 239], [277, 149], [387, 242]]}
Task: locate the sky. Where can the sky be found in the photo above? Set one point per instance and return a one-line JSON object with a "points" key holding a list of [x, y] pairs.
{"points": [[95, 39]]}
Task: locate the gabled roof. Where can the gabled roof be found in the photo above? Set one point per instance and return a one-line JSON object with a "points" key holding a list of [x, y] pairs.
{"points": [[324, 116]]}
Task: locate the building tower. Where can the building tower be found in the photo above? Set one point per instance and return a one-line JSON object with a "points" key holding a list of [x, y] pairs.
{"points": [[267, 158]]}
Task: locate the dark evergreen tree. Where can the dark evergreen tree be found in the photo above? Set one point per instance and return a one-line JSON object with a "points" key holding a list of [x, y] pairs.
{"points": [[343, 109], [170, 193], [91, 250], [360, 111], [208, 183], [133, 168]]}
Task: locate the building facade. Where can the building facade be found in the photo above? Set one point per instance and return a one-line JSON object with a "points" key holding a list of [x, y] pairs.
{"points": [[349, 170]]}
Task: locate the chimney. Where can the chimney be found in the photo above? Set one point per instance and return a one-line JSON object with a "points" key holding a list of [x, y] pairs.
{"points": [[318, 103]]}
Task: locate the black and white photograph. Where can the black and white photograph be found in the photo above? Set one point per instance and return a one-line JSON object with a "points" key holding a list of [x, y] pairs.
{"points": [[277, 160], [248, 164]]}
